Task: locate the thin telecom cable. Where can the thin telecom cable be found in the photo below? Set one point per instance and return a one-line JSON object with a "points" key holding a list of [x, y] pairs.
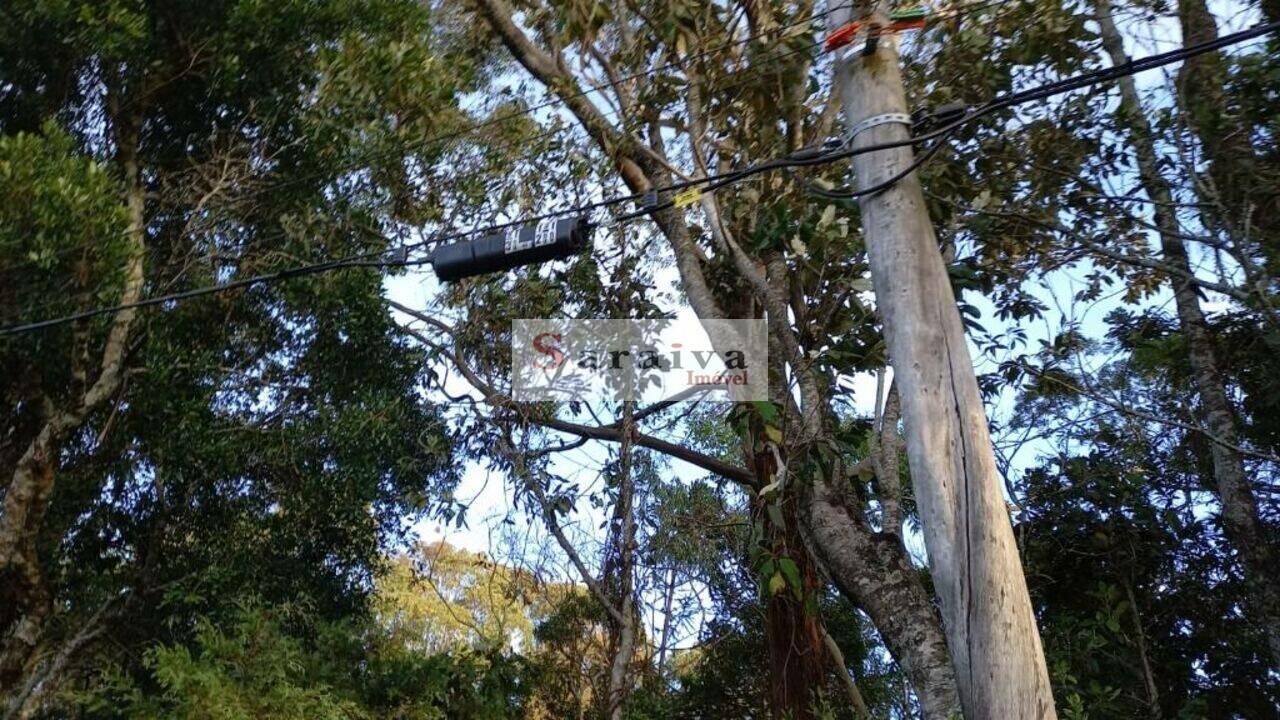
{"points": [[880, 187], [711, 183], [674, 64], [609, 113], [715, 181], [1017, 98], [560, 100]]}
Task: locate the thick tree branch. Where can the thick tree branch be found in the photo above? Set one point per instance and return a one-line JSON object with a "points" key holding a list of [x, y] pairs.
{"points": [[706, 462], [32, 481]]}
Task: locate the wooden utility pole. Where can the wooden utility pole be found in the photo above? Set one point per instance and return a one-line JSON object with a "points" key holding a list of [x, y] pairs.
{"points": [[990, 627]]}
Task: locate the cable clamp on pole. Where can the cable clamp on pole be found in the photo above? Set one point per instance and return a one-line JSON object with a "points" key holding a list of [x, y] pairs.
{"points": [[874, 120]]}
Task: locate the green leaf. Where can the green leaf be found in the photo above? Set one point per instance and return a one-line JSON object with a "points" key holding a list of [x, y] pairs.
{"points": [[768, 412], [791, 572], [777, 584]]}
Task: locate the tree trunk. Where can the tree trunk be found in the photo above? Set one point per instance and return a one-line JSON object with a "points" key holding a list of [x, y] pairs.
{"points": [[1241, 185], [793, 635], [885, 443], [625, 632], [640, 172], [873, 571], [620, 665], [27, 700], [797, 654], [1239, 506], [27, 601], [1144, 658], [667, 600]]}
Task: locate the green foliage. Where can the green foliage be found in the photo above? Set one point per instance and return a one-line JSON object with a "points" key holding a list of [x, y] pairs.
{"points": [[62, 237], [253, 671], [442, 598], [56, 204], [257, 668], [1120, 573], [278, 442], [268, 442]]}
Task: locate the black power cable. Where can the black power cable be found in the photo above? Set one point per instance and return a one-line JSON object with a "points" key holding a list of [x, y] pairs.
{"points": [[769, 60], [1083, 80], [803, 158], [299, 271], [766, 61], [880, 187]]}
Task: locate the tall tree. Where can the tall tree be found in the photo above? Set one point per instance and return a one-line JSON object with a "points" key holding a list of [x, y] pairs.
{"points": [[1239, 505], [172, 459]]}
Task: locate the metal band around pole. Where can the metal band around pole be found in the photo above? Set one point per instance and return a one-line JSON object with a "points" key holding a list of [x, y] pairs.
{"points": [[874, 120]]}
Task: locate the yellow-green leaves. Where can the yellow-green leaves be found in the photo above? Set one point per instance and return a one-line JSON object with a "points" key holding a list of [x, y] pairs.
{"points": [[781, 574], [777, 583], [62, 223]]}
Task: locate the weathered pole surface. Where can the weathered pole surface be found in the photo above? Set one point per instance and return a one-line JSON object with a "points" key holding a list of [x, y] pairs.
{"points": [[990, 627]]}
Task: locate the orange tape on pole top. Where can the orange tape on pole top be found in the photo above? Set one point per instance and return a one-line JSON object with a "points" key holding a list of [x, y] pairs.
{"points": [[841, 36], [847, 33]]}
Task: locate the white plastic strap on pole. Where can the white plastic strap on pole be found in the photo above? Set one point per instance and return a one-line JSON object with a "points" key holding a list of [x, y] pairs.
{"points": [[875, 120]]}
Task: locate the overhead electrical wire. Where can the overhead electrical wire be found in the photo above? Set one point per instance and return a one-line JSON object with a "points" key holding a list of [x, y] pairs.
{"points": [[758, 64], [1041, 92], [680, 63], [608, 113], [765, 62], [579, 94], [803, 158], [684, 184], [880, 187]]}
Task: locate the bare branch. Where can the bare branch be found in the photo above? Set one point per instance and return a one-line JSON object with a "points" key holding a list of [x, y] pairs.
{"points": [[1128, 409], [521, 470], [609, 433]]}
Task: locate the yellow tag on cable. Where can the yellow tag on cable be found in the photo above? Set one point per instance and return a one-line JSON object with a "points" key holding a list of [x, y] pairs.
{"points": [[686, 198]]}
